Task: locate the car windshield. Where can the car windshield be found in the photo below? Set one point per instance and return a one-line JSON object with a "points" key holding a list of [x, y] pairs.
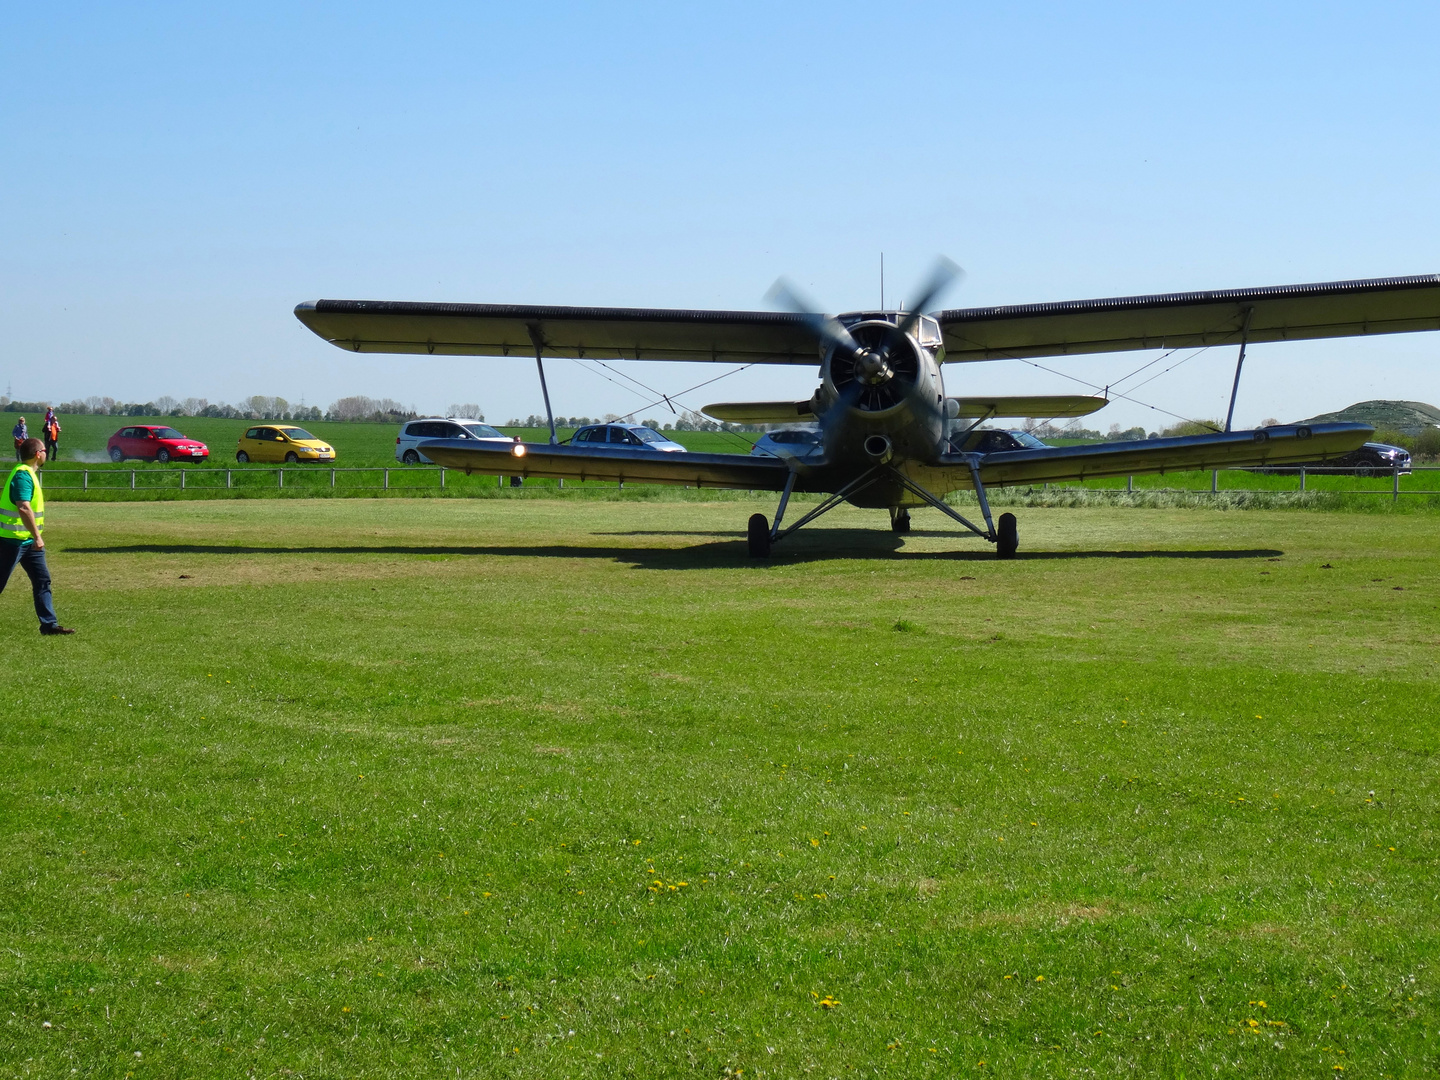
{"points": [[795, 436], [647, 434], [297, 433], [167, 433], [1028, 441], [482, 431]]}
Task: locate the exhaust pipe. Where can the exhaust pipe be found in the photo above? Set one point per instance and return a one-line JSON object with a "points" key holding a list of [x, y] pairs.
{"points": [[879, 449]]}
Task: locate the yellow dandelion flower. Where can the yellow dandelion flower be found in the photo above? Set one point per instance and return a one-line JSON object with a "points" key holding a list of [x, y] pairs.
{"points": [[1039, 978]]}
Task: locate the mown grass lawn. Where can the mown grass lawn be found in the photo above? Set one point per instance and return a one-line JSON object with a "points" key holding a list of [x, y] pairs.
{"points": [[563, 788]]}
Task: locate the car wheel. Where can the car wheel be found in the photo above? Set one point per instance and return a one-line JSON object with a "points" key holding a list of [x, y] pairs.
{"points": [[163, 457], [117, 455], [1365, 468], [242, 457], [292, 458], [411, 458]]}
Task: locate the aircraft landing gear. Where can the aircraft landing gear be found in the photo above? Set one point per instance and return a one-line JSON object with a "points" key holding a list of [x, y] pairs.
{"points": [[758, 534], [1007, 537], [899, 519]]}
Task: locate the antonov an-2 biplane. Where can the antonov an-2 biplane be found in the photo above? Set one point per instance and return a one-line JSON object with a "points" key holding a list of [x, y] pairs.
{"points": [[886, 425]]}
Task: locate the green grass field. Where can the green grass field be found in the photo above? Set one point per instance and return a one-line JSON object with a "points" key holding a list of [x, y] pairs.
{"points": [[550, 788]]}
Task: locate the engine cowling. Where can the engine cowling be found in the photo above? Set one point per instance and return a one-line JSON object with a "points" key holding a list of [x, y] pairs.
{"points": [[881, 374]]}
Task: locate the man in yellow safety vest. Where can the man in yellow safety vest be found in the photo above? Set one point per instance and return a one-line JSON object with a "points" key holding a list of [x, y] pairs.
{"points": [[22, 519]]}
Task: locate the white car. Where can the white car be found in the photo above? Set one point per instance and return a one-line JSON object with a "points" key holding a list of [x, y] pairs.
{"points": [[415, 432]]}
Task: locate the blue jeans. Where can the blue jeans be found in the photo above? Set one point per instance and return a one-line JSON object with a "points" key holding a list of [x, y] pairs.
{"points": [[34, 563]]}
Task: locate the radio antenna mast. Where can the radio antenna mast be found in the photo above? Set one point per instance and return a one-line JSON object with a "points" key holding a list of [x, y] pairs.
{"points": [[882, 281]]}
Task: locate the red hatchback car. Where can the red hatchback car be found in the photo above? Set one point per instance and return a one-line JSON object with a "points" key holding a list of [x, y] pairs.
{"points": [[160, 444]]}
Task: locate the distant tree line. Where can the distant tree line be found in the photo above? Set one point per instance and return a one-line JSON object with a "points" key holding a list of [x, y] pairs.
{"points": [[257, 407], [686, 421]]}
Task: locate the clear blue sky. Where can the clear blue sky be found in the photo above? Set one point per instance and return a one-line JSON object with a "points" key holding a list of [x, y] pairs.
{"points": [[174, 178]]}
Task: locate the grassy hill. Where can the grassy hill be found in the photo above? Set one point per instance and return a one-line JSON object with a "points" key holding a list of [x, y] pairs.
{"points": [[1406, 417]]}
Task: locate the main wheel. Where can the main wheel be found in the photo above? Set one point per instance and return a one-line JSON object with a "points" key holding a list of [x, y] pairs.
{"points": [[758, 535], [1007, 537], [162, 456], [411, 458], [899, 520], [292, 458], [117, 455], [242, 457]]}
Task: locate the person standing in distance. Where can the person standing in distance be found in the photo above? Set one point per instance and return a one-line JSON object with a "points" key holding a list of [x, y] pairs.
{"points": [[51, 431], [22, 522], [19, 434]]}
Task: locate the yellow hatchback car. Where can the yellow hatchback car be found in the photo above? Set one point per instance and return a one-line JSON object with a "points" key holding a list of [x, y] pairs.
{"points": [[291, 445]]}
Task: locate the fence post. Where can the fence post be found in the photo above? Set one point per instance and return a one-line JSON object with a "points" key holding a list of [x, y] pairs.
{"points": [[562, 483], [280, 474], [1302, 479], [1214, 481], [132, 479], [182, 479], [442, 477], [1395, 491], [227, 479], [387, 479], [84, 479], [332, 478], [500, 482], [1129, 483]]}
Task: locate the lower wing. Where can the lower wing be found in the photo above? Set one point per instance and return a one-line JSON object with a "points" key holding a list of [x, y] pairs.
{"points": [[618, 465], [1265, 446]]}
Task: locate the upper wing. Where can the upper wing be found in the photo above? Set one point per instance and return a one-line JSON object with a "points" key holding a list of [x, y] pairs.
{"points": [[753, 337], [618, 464], [1183, 320], [1266, 446]]}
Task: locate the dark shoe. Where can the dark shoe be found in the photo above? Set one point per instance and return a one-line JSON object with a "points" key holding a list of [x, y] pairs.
{"points": [[56, 630]]}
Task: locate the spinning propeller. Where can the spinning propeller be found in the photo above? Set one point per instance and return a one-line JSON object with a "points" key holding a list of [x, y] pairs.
{"points": [[875, 369]]}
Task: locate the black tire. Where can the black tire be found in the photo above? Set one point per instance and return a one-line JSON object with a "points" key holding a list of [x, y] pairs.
{"points": [[900, 521], [758, 535], [1007, 537], [1367, 469], [292, 458], [117, 455], [411, 458], [163, 457], [242, 457]]}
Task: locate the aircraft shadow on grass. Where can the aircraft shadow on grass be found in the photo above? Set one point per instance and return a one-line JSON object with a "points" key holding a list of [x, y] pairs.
{"points": [[728, 552]]}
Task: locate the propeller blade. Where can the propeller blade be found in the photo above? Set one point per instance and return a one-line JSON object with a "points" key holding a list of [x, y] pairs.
{"points": [[785, 295], [945, 274]]}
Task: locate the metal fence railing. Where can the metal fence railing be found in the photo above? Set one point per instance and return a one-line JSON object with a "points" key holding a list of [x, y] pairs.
{"points": [[379, 478], [418, 477]]}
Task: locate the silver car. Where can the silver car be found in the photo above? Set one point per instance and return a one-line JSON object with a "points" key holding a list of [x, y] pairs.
{"points": [[634, 436], [788, 443], [415, 432]]}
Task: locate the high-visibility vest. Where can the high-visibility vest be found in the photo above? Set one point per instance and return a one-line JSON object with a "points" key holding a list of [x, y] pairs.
{"points": [[11, 527]]}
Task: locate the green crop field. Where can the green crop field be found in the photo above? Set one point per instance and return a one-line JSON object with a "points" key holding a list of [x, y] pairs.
{"points": [[567, 787]]}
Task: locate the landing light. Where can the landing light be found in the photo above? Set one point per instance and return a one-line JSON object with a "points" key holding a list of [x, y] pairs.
{"points": [[518, 449]]}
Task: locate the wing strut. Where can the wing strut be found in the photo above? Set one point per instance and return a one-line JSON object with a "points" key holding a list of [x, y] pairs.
{"points": [[1239, 363], [539, 342]]}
